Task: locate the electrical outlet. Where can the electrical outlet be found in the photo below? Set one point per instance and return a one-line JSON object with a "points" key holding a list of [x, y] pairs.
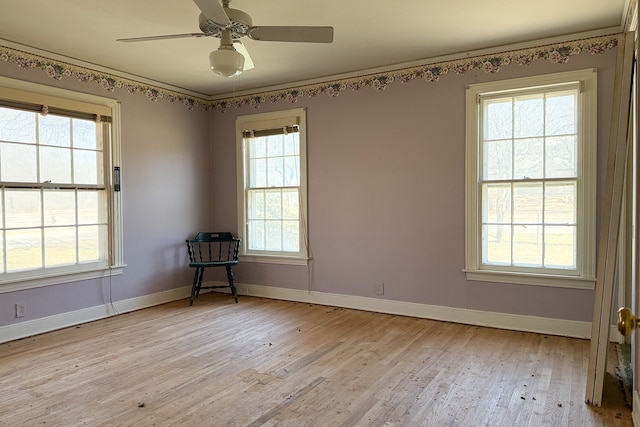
{"points": [[380, 289], [20, 309]]}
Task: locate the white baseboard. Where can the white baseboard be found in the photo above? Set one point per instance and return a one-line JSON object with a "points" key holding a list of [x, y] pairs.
{"points": [[517, 322], [569, 328], [64, 320]]}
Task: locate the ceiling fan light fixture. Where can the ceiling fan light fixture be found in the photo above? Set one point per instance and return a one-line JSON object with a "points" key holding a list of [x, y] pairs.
{"points": [[226, 61]]}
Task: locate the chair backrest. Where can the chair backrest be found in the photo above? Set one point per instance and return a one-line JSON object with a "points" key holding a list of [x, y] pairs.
{"points": [[210, 236], [213, 247]]}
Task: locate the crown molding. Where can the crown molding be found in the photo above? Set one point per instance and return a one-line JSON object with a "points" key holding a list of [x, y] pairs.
{"points": [[98, 68], [564, 39], [557, 50]]}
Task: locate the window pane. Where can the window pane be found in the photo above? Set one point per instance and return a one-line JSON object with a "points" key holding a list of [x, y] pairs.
{"points": [[274, 235], [561, 113], [89, 211], [496, 242], [275, 175], [529, 159], [527, 245], [258, 173], [257, 233], [54, 130], [59, 246], [91, 241], [275, 147], [497, 160], [527, 203], [496, 204], [59, 207], [292, 144], [560, 203], [498, 119], [87, 167], [84, 134], [55, 165], [561, 157], [528, 113], [24, 249], [257, 147], [560, 246], [18, 163], [290, 236], [256, 202], [273, 204], [292, 171], [290, 204], [22, 208], [17, 125]]}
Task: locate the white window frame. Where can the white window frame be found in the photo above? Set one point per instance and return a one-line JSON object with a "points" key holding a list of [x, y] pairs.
{"points": [[583, 277], [32, 93], [270, 121]]}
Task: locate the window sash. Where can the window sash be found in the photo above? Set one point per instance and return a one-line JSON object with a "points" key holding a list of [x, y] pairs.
{"points": [[504, 233], [514, 129], [273, 220], [41, 242], [522, 128], [274, 227]]}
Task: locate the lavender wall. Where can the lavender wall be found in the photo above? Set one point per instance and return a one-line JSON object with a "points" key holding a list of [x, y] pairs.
{"points": [[386, 194], [165, 177], [386, 197]]}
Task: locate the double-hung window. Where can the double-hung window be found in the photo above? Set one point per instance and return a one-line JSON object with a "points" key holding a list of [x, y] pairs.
{"points": [[272, 187], [59, 218], [531, 180]]}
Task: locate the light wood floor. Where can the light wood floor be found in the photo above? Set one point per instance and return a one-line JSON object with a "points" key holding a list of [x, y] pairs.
{"points": [[277, 363]]}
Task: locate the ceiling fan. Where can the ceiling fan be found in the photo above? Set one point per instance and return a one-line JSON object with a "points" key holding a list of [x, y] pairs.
{"points": [[230, 25]]}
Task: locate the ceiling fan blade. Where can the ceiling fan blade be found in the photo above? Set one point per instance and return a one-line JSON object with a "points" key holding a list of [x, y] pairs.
{"points": [[213, 10], [170, 36], [241, 48], [292, 34]]}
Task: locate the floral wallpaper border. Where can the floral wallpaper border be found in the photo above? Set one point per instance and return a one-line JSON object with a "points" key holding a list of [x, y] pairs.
{"points": [[58, 69], [558, 53]]}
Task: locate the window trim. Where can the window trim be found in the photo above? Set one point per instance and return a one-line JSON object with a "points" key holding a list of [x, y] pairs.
{"points": [[27, 92], [584, 276], [261, 119]]}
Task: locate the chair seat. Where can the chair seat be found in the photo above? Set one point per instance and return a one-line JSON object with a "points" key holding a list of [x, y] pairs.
{"points": [[213, 263], [209, 250]]}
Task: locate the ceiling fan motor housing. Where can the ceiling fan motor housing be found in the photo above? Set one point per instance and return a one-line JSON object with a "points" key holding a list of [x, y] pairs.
{"points": [[239, 25]]}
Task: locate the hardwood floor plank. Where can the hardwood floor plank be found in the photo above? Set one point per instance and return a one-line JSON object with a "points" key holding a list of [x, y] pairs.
{"points": [[279, 363]]}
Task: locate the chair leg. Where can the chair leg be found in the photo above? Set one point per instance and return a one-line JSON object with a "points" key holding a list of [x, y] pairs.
{"points": [[231, 284], [200, 277], [195, 288]]}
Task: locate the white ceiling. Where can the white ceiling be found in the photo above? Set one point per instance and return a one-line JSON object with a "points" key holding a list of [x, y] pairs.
{"points": [[368, 34]]}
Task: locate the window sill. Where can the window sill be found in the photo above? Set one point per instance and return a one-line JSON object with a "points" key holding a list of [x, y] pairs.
{"points": [[48, 279], [274, 259], [550, 280]]}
